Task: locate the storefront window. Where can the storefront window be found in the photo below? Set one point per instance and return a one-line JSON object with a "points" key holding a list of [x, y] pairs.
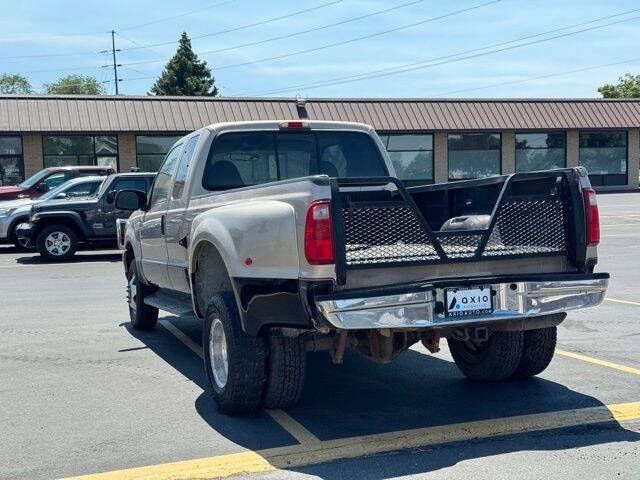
{"points": [[473, 155], [540, 151], [151, 150], [11, 161], [604, 155], [411, 155], [74, 150]]}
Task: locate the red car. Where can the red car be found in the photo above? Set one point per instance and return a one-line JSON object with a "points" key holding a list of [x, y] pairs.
{"points": [[49, 178]]}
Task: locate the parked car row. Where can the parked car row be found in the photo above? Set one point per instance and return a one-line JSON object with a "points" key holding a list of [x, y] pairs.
{"points": [[59, 209]]}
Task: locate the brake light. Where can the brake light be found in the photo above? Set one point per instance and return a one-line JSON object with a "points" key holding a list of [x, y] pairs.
{"points": [[318, 233], [592, 217], [295, 124]]}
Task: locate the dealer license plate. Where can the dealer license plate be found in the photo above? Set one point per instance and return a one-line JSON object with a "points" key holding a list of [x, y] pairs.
{"points": [[468, 302]]}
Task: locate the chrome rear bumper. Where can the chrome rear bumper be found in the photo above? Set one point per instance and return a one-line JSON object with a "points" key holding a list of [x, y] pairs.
{"points": [[422, 305]]}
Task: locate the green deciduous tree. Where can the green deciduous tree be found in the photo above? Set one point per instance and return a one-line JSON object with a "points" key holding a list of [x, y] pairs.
{"points": [[185, 74], [628, 86], [14, 83], [75, 84]]}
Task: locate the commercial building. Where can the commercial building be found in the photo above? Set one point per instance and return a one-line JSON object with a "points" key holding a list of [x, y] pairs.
{"points": [[429, 140]]}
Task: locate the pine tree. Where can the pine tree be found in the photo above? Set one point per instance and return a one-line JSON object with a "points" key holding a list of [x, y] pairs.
{"points": [[185, 74]]}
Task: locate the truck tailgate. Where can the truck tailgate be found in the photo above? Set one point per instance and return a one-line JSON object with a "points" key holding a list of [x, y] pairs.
{"points": [[380, 224]]}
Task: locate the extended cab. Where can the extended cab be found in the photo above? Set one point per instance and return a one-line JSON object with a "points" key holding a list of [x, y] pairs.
{"points": [[57, 227], [49, 178], [289, 237]]}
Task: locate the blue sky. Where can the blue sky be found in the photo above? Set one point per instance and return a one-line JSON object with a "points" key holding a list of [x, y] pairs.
{"points": [[30, 29]]}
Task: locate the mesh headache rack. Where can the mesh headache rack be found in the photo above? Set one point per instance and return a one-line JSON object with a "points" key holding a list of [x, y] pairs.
{"points": [[379, 222]]}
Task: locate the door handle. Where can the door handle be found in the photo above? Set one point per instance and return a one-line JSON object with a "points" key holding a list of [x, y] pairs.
{"points": [[162, 225]]}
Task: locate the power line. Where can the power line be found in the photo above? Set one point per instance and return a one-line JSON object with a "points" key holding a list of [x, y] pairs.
{"points": [[139, 45], [447, 58], [147, 47], [541, 77], [417, 65], [289, 35], [172, 17], [344, 42]]}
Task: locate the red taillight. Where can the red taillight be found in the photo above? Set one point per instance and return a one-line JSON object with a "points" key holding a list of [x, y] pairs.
{"points": [[318, 233], [591, 216]]}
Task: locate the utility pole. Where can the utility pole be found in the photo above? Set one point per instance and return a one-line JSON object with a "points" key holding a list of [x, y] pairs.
{"points": [[115, 65]]}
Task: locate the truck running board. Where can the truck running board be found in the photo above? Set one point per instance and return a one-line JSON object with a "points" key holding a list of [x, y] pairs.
{"points": [[170, 302]]}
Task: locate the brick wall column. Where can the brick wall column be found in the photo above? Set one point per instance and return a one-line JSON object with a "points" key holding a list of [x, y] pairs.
{"points": [[573, 148], [440, 158], [634, 158], [32, 153], [508, 152], [127, 152]]}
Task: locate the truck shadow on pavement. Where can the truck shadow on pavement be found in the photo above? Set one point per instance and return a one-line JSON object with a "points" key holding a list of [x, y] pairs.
{"points": [[415, 391], [83, 257]]}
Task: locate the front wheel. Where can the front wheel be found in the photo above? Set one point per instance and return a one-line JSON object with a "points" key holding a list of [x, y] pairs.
{"points": [[492, 360], [142, 316], [57, 242], [234, 361]]}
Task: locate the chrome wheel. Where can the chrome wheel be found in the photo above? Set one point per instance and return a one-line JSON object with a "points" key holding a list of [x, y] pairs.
{"points": [[57, 243], [218, 353], [132, 290]]}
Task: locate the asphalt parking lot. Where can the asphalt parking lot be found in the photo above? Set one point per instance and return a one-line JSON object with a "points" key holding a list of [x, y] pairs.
{"points": [[82, 393]]}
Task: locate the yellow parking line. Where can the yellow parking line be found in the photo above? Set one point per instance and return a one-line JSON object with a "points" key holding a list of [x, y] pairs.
{"points": [[331, 450], [618, 300], [597, 361]]}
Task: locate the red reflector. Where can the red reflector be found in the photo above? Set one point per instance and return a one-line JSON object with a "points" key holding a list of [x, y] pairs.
{"points": [[318, 233], [592, 218]]}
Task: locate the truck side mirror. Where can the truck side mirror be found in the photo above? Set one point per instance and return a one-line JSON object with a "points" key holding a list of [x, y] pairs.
{"points": [[131, 200], [42, 187], [62, 196]]}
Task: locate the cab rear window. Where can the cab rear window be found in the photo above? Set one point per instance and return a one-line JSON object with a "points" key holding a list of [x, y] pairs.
{"points": [[241, 159]]}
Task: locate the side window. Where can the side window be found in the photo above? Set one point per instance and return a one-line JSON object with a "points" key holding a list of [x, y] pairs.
{"points": [[55, 180], [93, 187], [82, 190], [160, 190], [241, 159], [131, 184], [183, 167]]}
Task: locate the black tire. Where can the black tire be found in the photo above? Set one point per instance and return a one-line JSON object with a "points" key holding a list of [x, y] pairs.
{"points": [[13, 238], [142, 316], [496, 359], [244, 379], [63, 232], [539, 347], [286, 367]]}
